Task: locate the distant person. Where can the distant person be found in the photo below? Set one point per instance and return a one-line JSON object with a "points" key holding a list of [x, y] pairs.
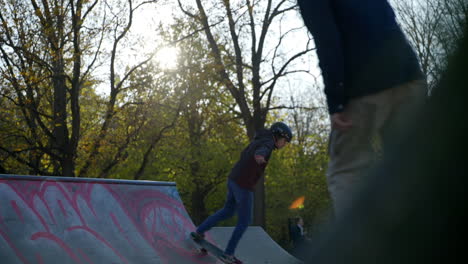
{"points": [[241, 184], [298, 234], [298, 237], [373, 84]]}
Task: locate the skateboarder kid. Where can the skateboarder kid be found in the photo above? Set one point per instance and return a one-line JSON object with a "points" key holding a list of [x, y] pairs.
{"points": [[241, 183]]}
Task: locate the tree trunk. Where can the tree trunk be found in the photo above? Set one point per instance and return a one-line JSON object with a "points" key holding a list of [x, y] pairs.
{"points": [[259, 210], [60, 131], [259, 218], [199, 213]]}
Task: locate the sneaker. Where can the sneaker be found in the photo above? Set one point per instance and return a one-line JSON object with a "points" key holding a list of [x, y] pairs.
{"points": [[202, 251], [229, 259], [196, 236]]}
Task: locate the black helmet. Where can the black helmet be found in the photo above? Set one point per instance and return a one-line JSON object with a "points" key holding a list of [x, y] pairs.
{"points": [[280, 129]]}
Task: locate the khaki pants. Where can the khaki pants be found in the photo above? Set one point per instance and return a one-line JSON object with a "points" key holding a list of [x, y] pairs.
{"points": [[377, 120]]}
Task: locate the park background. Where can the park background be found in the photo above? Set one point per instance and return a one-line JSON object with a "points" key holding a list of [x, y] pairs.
{"points": [[174, 90]]}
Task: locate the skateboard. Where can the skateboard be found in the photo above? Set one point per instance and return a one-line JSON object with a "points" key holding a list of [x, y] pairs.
{"points": [[207, 247]]}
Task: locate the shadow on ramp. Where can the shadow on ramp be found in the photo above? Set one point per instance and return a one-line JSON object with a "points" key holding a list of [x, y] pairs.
{"points": [[255, 247]]}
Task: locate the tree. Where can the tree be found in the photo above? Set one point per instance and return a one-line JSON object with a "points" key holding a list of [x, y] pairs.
{"points": [[51, 53], [250, 60], [119, 27], [207, 128], [42, 47], [299, 169], [434, 28]]}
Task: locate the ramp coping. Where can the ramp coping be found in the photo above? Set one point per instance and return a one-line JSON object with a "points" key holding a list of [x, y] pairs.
{"points": [[87, 180]]}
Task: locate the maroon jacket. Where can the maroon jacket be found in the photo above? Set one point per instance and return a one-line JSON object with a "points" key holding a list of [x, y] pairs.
{"points": [[246, 172]]}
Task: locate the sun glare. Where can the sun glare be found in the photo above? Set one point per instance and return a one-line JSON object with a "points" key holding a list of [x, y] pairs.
{"points": [[167, 57]]}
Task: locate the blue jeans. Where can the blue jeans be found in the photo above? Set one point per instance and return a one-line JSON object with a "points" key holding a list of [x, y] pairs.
{"points": [[239, 199]]}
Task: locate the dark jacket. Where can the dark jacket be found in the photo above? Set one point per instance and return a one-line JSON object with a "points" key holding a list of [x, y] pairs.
{"points": [[361, 48], [246, 172], [296, 236]]}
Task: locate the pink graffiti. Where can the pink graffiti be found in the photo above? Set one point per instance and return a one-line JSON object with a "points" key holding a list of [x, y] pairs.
{"points": [[12, 246], [17, 210], [100, 238], [57, 241], [136, 223]]}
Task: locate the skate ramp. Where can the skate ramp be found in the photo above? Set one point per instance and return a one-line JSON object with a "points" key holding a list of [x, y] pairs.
{"points": [[255, 247], [48, 220]]}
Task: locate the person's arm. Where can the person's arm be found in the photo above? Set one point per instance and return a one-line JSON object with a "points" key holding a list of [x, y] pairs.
{"points": [[263, 151], [319, 18]]}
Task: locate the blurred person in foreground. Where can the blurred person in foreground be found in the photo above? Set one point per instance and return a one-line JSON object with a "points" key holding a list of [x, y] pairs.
{"points": [[373, 85], [413, 208]]}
